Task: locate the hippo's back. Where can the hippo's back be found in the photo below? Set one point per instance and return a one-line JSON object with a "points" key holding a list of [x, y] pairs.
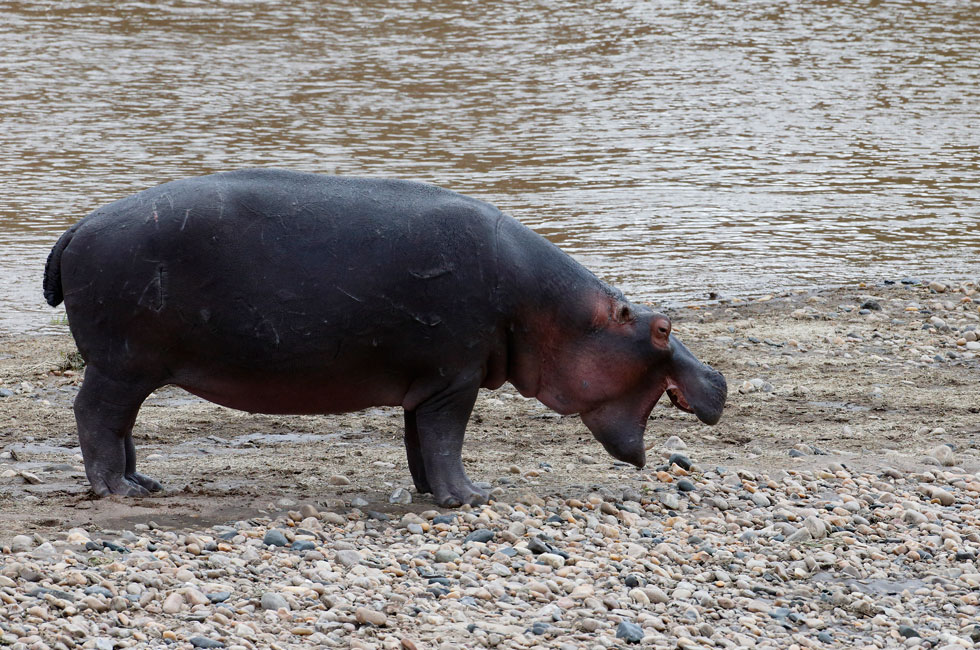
{"points": [[282, 271]]}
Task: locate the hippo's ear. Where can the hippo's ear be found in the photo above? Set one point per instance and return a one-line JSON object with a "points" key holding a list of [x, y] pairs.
{"points": [[623, 313]]}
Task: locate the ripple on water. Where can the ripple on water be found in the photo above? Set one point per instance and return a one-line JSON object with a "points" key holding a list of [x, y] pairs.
{"points": [[675, 148]]}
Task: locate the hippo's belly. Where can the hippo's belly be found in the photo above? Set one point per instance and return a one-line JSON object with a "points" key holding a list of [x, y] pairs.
{"points": [[297, 395]]}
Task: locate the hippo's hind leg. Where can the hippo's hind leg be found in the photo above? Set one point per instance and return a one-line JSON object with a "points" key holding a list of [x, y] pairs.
{"points": [[435, 447], [105, 411]]}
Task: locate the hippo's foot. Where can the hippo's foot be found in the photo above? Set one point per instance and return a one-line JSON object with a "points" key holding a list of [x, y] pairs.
{"points": [[129, 485], [458, 494], [142, 479]]}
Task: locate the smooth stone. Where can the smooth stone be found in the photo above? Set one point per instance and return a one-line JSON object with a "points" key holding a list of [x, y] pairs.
{"points": [[338, 479], [204, 642], [943, 454], [944, 497], [273, 601], [98, 590], [112, 546], [914, 517], [657, 595], [349, 558], [551, 559], [680, 460], [685, 485], [539, 628], [400, 496], [537, 546], [303, 545], [483, 535], [194, 597], [908, 631], [275, 538], [173, 603], [816, 526], [21, 544], [36, 592], [370, 616], [359, 502], [718, 502], [219, 596], [674, 442], [629, 632], [445, 555]]}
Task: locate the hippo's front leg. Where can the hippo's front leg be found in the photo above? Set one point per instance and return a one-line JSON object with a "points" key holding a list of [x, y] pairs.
{"points": [[435, 447], [416, 464]]}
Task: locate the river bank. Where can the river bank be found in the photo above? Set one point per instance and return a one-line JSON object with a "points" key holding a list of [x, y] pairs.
{"points": [[834, 505]]}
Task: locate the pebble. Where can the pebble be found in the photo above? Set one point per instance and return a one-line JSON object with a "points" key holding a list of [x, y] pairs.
{"points": [[674, 442], [943, 454], [482, 535], [400, 496], [685, 485], [273, 601], [365, 616], [21, 544], [629, 632], [349, 558], [275, 538], [443, 556], [173, 603]]}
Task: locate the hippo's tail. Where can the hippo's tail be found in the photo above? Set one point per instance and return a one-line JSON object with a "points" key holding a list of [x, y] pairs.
{"points": [[52, 270]]}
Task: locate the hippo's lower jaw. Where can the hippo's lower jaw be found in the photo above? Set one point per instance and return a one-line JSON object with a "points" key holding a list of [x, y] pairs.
{"points": [[621, 437]]}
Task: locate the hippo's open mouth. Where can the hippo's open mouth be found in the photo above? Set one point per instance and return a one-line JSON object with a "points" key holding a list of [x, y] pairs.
{"points": [[677, 399]]}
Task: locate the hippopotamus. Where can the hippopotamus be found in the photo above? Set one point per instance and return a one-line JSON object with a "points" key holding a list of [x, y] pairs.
{"points": [[282, 292]]}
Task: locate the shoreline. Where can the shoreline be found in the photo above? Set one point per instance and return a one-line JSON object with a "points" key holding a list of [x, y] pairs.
{"points": [[839, 495]]}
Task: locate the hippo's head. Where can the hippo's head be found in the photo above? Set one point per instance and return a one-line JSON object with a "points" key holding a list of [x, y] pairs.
{"points": [[614, 376]]}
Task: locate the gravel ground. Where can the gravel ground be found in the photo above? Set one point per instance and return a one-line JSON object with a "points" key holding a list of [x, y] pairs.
{"points": [[835, 506]]}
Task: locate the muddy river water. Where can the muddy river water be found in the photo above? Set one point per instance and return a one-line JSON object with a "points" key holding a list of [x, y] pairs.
{"points": [[676, 148]]}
